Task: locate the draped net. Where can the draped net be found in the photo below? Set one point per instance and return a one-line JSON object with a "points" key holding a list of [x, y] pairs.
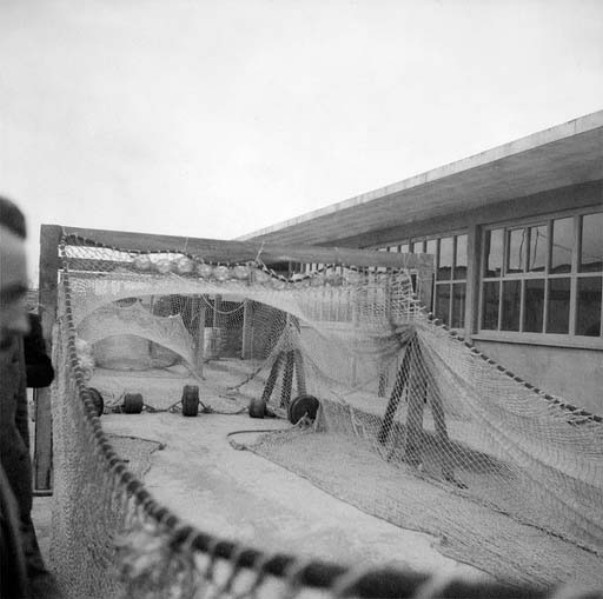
{"points": [[400, 386]]}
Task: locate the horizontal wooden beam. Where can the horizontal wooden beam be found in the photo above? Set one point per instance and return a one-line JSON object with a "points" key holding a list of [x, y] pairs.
{"points": [[214, 250]]}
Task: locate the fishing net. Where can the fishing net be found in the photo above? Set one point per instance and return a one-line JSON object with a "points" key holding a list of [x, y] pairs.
{"points": [[394, 388]]}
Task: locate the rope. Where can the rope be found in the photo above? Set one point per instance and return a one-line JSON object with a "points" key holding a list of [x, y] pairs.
{"points": [[223, 312], [241, 447]]}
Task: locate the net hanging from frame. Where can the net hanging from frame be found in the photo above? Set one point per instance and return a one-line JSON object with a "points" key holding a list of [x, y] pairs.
{"points": [[415, 396]]}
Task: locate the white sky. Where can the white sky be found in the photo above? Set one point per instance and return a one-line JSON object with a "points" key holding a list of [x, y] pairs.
{"points": [[214, 118]]}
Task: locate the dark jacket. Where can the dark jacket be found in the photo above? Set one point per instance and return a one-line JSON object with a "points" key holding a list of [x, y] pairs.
{"points": [[15, 461], [14, 430], [40, 372]]}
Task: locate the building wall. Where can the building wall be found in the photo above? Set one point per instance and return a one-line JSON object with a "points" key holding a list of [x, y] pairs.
{"points": [[570, 366], [574, 374]]}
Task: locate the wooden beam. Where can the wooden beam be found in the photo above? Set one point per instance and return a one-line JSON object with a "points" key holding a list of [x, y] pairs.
{"points": [[48, 282], [215, 250], [247, 330], [199, 336]]}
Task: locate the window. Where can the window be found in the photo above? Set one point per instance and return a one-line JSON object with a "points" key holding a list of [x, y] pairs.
{"points": [[544, 277], [450, 281]]}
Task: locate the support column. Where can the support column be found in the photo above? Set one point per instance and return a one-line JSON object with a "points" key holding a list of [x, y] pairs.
{"points": [[199, 337], [50, 236], [216, 331], [247, 331], [417, 389]]}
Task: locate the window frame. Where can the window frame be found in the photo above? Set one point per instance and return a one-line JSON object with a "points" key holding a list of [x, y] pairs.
{"points": [[569, 339], [423, 240]]}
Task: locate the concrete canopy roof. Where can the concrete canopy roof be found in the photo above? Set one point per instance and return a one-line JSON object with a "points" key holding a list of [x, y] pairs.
{"points": [[564, 155]]}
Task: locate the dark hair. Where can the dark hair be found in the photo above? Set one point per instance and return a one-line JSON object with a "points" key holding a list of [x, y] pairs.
{"points": [[12, 218]]}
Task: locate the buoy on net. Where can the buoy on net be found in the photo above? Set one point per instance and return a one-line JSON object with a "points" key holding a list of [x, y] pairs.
{"points": [[132, 403], [257, 408], [190, 400], [97, 401], [303, 405]]}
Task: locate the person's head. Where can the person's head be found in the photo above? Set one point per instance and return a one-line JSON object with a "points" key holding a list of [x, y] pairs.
{"points": [[13, 273]]}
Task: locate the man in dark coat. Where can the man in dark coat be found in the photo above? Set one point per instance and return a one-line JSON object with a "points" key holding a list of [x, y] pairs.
{"points": [[15, 467], [15, 458], [38, 366]]}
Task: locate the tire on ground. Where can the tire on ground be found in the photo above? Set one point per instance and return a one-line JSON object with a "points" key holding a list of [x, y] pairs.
{"points": [[132, 403], [190, 400], [257, 408], [303, 405]]}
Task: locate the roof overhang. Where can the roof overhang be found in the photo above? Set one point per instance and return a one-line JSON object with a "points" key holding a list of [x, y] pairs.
{"points": [[562, 156]]}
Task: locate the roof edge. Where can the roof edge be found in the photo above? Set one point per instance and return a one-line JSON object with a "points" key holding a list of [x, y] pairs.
{"points": [[568, 129]]}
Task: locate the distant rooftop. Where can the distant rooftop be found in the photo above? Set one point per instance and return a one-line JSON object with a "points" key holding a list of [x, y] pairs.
{"points": [[561, 156]]}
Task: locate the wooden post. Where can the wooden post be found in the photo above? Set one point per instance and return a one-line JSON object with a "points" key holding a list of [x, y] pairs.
{"points": [[216, 340], [247, 331], [442, 438], [300, 373], [355, 319], [198, 310], [396, 396], [417, 388], [298, 358], [50, 236], [287, 379], [271, 381]]}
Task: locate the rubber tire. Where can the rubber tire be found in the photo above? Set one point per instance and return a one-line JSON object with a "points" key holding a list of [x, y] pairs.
{"points": [[190, 400], [97, 401], [132, 403], [257, 408], [303, 405]]}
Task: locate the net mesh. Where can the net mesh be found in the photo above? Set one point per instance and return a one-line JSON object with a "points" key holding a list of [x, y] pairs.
{"points": [[435, 423]]}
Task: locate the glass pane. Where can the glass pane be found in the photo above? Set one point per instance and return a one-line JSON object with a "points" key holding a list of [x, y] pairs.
{"points": [[533, 307], [445, 259], [404, 248], [442, 302], [591, 258], [431, 248], [493, 253], [490, 305], [588, 312], [559, 303], [418, 247], [460, 269], [458, 305], [393, 248], [517, 250], [539, 247], [563, 244], [511, 297]]}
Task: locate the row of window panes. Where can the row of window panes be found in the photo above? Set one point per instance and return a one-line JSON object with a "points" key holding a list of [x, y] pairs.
{"points": [[546, 248], [450, 285], [520, 300], [543, 305], [450, 254]]}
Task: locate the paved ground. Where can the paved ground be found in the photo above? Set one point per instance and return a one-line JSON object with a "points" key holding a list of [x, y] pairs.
{"points": [[242, 496]]}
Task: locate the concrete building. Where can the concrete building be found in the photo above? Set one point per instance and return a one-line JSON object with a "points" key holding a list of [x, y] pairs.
{"points": [[517, 233]]}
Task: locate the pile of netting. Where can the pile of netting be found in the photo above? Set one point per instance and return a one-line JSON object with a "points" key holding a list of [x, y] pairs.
{"points": [[417, 398]]}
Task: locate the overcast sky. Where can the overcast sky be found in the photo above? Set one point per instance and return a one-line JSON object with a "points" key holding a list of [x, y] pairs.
{"points": [[214, 118]]}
